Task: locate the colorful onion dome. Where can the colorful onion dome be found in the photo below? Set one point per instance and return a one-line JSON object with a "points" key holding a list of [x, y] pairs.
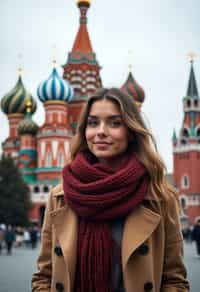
{"points": [[133, 89], [55, 88], [27, 126], [15, 100]]}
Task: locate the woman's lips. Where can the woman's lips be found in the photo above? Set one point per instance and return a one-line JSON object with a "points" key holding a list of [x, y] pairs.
{"points": [[102, 143]]}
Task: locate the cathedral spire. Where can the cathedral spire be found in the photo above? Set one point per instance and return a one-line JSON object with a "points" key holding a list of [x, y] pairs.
{"points": [[82, 69], [82, 42], [192, 90]]}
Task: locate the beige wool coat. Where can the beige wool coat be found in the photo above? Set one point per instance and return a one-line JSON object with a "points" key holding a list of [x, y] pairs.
{"points": [[151, 251]]}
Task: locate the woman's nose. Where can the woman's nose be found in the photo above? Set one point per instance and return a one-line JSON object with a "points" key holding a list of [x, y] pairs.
{"points": [[101, 129]]}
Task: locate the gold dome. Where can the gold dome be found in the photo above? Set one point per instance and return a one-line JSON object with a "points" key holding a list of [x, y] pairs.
{"points": [[83, 1]]}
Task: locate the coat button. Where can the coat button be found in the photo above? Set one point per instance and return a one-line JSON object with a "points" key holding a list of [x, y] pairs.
{"points": [[143, 249], [59, 287], [58, 251], [148, 286]]}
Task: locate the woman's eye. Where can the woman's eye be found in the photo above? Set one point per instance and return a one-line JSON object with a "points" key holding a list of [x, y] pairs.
{"points": [[92, 123], [115, 123]]}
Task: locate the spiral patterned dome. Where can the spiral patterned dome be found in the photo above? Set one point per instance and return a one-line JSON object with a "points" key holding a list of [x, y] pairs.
{"points": [[134, 90], [27, 126], [15, 100], [55, 88]]}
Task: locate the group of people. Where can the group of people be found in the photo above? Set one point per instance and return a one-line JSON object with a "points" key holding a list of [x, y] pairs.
{"points": [[10, 236]]}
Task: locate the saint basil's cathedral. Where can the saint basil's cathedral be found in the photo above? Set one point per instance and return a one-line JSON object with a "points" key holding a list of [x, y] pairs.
{"points": [[41, 152]]}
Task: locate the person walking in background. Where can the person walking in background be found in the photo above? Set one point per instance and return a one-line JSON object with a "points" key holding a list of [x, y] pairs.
{"points": [[34, 237], [196, 236], [113, 222], [1, 238], [27, 237], [9, 239], [19, 233]]}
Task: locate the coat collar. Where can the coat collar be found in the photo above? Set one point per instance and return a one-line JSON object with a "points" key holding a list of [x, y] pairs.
{"points": [[139, 225]]}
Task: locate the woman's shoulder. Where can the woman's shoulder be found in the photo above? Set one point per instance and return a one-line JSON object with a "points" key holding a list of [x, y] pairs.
{"points": [[57, 190], [163, 205]]}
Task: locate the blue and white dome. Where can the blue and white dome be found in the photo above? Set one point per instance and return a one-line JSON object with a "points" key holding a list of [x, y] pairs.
{"points": [[55, 88]]}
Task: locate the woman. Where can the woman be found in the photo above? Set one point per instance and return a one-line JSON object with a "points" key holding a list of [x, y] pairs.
{"points": [[112, 225]]}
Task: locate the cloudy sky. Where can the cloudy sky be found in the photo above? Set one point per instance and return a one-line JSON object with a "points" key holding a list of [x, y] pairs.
{"points": [[159, 33]]}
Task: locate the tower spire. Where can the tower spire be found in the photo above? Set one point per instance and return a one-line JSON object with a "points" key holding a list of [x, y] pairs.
{"points": [[192, 89], [82, 69], [82, 42]]}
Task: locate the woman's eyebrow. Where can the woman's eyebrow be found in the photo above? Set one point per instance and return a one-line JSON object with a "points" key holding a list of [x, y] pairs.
{"points": [[109, 117]]}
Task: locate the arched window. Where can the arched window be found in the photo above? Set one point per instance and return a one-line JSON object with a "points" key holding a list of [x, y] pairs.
{"points": [[198, 132], [183, 142], [188, 103], [183, 203], [45, 189], [185, 133], [36, 189], [196, 102], [185, 182], [198, 135]]}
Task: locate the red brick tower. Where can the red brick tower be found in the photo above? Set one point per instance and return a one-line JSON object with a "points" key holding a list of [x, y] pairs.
{"points": [[81, 69], [186, 152]]}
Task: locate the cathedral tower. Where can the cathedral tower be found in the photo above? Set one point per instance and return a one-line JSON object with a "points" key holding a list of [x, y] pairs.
{"points": [[82, 69]]}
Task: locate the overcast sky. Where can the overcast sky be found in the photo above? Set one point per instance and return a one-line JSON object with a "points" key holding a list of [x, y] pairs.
{"points": [[160, 33]]}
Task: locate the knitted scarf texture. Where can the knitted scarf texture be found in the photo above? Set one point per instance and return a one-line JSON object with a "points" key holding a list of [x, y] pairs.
{"points": [[98, 195]]}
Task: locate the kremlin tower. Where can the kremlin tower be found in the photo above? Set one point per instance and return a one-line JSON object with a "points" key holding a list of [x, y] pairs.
{"points": [[186, 152]]}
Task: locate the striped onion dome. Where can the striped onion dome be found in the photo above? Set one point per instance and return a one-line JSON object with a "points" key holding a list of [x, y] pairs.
{"points": [[15, 100], [27, 126], [55, 88], [133, 89]]}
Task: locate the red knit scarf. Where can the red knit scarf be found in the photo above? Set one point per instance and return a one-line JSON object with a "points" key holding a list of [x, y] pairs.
{"points": [[97, 194]]}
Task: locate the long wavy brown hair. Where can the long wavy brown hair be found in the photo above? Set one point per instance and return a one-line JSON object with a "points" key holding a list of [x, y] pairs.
{"points": [[141, 139]]}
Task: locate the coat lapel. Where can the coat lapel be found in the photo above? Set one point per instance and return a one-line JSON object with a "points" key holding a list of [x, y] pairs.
{"points": [[139, 225], [65, 223]]}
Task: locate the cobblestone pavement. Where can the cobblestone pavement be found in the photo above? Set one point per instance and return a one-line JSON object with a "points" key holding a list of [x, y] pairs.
{"points": [[16, 270]]}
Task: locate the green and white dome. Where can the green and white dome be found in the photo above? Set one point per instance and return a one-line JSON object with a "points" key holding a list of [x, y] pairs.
{"points": [[15, 100]]}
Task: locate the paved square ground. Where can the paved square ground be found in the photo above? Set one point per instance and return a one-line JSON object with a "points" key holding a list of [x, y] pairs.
{"points": [[16, 270]]}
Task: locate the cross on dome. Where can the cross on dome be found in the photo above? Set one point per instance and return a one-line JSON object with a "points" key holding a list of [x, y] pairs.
{"points": [[191, 56]]}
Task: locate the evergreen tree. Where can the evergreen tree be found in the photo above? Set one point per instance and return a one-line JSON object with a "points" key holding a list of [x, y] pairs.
{"points": [[14, 194]]}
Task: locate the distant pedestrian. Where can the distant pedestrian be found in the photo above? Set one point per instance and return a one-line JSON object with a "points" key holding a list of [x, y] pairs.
{"points": [[19, 236], [9, 238], [1, 239], [34, 237], [196, 236], [27, 237], [187, 234]]}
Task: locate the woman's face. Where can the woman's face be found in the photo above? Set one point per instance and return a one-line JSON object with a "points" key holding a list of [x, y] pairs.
{"points": [[106, 133]]}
